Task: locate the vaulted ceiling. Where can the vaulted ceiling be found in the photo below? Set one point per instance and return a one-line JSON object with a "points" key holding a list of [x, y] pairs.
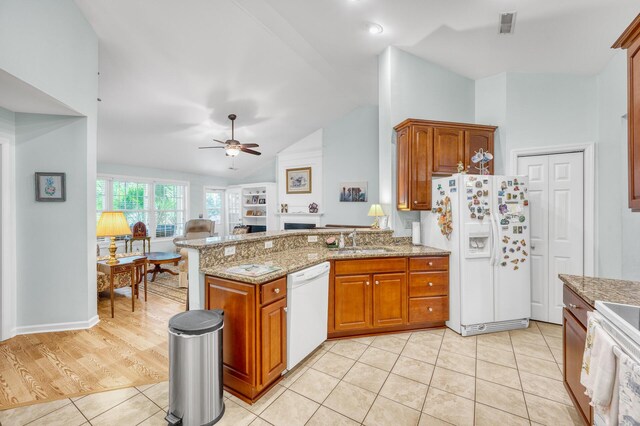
{"points": [[171, 71]]}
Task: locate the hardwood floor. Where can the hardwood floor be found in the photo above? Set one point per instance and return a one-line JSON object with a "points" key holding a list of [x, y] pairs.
{"points": [[128, 350]]}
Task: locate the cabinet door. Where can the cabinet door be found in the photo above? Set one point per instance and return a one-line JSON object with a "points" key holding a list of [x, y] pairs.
{"points": [[574, 337], [448, 146], [633, 54], [474, 140], [402, 181], [352, 302], [238, 302], [389, 299], [420, 183], [273, 322]]}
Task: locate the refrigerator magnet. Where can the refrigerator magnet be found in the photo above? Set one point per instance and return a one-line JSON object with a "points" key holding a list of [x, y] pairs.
{"points": [[503, 185], [522, 219], [510, 183], [452, 190], [452, 182], [519, 229], [478, 184], [515, 181], [526, 202], [504, 221], [525, 253], [515, 268], [485, 192], [523, 242], [469, 190], [503, 264], [500, 193]]}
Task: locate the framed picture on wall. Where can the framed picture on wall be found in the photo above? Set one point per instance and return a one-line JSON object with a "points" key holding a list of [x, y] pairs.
{"points": [[50, 186], [353, 192], [299, 180]]}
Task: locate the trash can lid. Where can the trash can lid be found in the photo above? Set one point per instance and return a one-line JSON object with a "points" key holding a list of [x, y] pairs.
{"points": [[197, 322]]}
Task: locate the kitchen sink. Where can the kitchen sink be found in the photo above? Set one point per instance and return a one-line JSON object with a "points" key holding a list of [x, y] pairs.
{"points": [[363, 250]]}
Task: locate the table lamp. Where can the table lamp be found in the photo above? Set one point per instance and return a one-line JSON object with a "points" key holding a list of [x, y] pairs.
{"points": [[376, 211], [112, 224]]}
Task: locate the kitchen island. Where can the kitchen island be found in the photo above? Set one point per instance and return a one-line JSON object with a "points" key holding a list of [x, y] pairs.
{"points": [[382, 285], [579, 295]]}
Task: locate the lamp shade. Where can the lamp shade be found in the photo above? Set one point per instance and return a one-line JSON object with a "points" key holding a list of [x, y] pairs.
{"points": [[112, 224], [376, 210]]}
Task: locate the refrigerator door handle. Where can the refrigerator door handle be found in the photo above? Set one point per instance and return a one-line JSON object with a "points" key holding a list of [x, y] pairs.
{"points": [[494, 240]]}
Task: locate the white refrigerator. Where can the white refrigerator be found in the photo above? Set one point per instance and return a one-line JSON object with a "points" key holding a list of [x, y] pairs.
{"points": [[484, 222]]}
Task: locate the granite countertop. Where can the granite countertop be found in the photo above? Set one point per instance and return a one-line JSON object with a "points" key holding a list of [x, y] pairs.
{"points": [[260, 236], [591, 289], [294, 260]]}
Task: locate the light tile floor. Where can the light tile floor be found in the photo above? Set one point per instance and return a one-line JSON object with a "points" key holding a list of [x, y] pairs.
{"points": [[421, 378]]}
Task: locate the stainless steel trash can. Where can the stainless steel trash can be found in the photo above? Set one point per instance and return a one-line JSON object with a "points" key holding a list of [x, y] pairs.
{"points": [[195, 368]]}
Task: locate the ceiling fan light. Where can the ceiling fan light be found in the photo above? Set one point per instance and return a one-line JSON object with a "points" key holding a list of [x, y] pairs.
{"points": [[232, 151], [374, 28]]}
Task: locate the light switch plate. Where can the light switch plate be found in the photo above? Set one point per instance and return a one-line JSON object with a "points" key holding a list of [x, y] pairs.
{"points": [[230, 251], [268, 244], [312, 239]]}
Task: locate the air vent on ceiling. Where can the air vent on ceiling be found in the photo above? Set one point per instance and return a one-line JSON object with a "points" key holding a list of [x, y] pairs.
{"points": [[507, 22]]}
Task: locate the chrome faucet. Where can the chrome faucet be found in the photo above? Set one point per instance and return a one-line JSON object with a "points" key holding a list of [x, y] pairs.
{"points": [[353, 236]]}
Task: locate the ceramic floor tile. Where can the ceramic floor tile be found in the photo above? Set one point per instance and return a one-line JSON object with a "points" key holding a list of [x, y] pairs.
{"points": [[403, 336], [545, 387], [97, 403], [130, 412], [156, 420], [413, 369], [405, 391], [448, 407], [557, 355], [143, 388], [292, 376], [328, 344], [498, 374], [551, 330], [553, 342], [385, 412], [453, 342], [290, 409], [489, 416], [426, 338], [457, 362], [235, 415], [427, 420], [68, 415], [379, 358], [501, 341], [260, 405], [548, 412], [314, 357], [159, 394], [421, 352], [314, 385], [533, 350], [326, 417], [24, 415], [496, 356], [334, 365], [501, 397], [389, 343], [366, 377], [367, 340], [349, 349], [454, 382], [350, 400], [260, 422], [538, 366], [527, 337]]}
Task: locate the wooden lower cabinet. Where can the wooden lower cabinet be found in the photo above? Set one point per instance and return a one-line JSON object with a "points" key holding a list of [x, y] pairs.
{"points": [[254, 334], [573, 339], [373, 295]]}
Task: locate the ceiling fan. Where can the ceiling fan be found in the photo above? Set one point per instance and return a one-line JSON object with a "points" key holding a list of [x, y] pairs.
{"points": [[233, 147]]}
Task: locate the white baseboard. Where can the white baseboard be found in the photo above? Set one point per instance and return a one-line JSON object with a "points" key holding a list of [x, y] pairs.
{"points": [[62, 326]]}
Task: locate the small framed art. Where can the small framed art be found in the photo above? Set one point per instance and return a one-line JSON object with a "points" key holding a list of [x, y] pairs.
{"points": [[50, 187], [299, 180]]}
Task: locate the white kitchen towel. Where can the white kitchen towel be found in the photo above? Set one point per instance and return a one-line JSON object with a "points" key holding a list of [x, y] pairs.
{"points": [[629, 397], [598, 365]]}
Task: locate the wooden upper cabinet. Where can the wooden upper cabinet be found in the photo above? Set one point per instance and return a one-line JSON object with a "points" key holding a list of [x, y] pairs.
{"points": [[475, 140], [447, 149], [389, 299], [426, 148], [352, 302], [630, 40]]}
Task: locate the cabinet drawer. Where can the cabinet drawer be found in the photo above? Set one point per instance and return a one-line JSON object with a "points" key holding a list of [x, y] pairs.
{"points": [[435, 263], [370, 266], [423, 284], [576, 305], [121, 269], [273, 291], [428, 309]]}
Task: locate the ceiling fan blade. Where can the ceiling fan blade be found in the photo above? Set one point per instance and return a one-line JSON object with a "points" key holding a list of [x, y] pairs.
{"points": [[211, 147], [250, 151], [219, 141], [250, 145]]}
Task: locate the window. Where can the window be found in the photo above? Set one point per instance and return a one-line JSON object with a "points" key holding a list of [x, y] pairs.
{"points": [[214, 207], [159, 205]]}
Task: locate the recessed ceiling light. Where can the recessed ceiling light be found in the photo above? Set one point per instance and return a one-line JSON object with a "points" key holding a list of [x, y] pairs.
{"points": [[374, 28]]}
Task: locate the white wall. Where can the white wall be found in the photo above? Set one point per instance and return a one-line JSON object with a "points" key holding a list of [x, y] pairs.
{"points": [[491, 108], [411, 87], [350, 154], [50, 46]]}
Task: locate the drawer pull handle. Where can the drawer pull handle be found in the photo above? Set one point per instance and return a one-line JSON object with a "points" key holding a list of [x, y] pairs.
{"points": [[430, 309], [415, 202], [377, 282], [572, 306], [367, 282], [430, 284], [430, 263], [276, 290]]}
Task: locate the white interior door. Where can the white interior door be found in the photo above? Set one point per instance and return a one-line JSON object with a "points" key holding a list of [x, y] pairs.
{"points": [[556, 197]]}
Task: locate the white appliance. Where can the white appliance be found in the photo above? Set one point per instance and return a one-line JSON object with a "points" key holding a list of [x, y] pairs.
{"points": [[489, 272], [622, 323], [307, 311]]}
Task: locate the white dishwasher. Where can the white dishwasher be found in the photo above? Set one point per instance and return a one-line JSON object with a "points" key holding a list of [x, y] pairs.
{"points": [[307, 311]]}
